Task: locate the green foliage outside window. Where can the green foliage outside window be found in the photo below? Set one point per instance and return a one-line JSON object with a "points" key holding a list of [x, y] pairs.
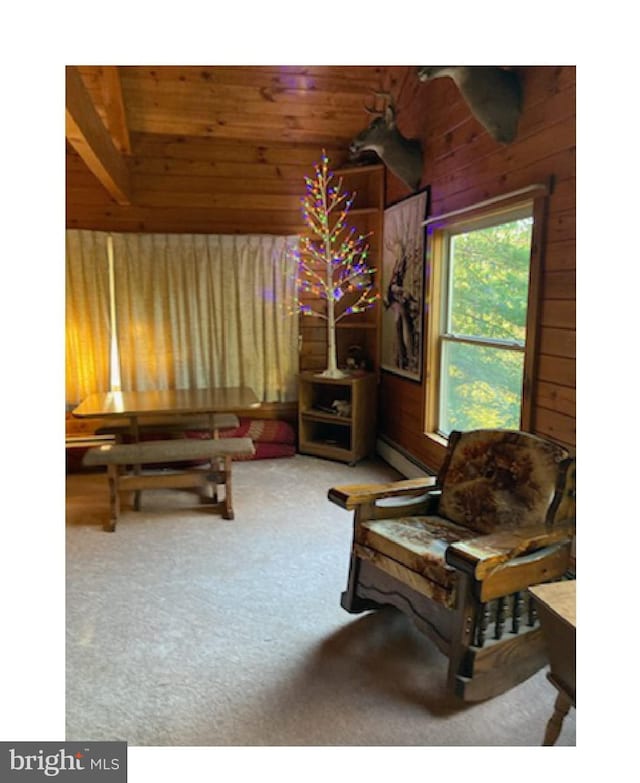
{"points": [[488, 293]]}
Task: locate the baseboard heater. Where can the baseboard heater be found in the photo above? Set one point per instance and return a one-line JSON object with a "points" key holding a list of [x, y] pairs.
{"points": [[401, 460]]}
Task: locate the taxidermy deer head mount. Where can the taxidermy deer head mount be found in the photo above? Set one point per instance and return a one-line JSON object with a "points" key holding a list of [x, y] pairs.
{"points": [[493, 95], [400, 155]]}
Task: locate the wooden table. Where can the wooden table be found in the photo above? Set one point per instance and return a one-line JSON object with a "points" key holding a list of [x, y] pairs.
{"points": [[556, 605], [169, 402], [136, 405]]}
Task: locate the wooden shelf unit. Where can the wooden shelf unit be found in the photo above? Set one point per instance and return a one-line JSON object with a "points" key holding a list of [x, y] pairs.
{"points": [[366, 215], [326, 434]]}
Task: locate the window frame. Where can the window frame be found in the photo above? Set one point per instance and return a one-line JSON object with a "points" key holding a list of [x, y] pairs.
{"points": [[439, 232]]}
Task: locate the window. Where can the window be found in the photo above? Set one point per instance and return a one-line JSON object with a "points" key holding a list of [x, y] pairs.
{"points": [[480, 318]]}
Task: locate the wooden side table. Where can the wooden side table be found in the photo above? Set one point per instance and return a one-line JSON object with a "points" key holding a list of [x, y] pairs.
{"points": [[556, 605], [323, 431]]}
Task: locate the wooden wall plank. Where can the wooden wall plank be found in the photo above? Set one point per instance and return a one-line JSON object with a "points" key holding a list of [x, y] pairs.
{"points": [[167, 146], [560, 255], [557, 426], [555, 397], [560, 313], [188, 200], [214, 170], [560, 284], [557, 369], [558, 342], [168, 99], [290, 77], [179, 185]]}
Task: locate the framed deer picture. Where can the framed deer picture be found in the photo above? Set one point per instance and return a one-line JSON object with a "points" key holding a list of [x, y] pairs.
{"points": [[403, 265]]}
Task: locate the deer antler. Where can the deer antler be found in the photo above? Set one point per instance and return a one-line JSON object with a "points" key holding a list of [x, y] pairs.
{"points": [[388, 98]]}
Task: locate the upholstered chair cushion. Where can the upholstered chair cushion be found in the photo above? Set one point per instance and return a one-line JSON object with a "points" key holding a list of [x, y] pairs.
{"points": [[499, 479], [419, 543]]}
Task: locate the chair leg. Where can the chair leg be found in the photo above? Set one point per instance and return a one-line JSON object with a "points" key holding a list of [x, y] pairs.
{"points": [[350, 601], [462, 636], [554, 726]]}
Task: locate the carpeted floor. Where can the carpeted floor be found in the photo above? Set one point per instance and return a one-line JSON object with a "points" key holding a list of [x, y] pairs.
{"points": [[186, 629]]}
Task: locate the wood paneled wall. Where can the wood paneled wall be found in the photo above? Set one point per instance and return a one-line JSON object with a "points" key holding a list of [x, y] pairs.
{"points": [[463, 166], [198, 185]]}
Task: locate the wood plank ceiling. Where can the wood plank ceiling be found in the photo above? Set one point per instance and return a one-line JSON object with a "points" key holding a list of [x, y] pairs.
{"points": [[215, 149]]}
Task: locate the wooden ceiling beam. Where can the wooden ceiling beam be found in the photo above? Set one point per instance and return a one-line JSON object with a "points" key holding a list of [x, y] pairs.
{"points": [[114, 108], [89, 137]]}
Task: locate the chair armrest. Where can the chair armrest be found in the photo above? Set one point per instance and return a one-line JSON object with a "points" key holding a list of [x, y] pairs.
{"points": [[480, 556], [353, 495]]}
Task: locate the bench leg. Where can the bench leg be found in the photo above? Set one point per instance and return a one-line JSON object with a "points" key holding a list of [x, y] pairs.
{"points": [[114, 498], [209, 492], [137, 469], [137, 494], [228, 506], [216, 463]]}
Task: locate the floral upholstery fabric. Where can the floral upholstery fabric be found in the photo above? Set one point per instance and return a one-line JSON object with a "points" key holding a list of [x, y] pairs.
{"points": [[499, 478], [419, 543]]}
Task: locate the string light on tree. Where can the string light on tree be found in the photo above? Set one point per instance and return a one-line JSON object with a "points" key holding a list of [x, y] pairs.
{"points": [[332, 258]]}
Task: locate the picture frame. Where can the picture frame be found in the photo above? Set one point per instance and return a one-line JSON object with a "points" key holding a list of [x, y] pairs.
{"points": [[402, 281]]}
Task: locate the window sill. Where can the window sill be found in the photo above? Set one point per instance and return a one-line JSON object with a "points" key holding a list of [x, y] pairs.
{"points": [[437, 438]]}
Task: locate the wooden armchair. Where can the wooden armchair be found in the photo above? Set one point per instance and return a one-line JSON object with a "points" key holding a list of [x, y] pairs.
{"points": [[457, 553]]}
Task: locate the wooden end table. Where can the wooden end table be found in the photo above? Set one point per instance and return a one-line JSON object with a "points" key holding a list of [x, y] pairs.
{"points": [[556, 605]]}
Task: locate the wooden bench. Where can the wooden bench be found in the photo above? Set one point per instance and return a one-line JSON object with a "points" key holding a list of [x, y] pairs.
{"points": [[149, 425], [87, 441], [219, 453]]}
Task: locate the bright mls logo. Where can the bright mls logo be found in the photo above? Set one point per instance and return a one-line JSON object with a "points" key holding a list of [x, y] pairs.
{"points": [[66, 761]]}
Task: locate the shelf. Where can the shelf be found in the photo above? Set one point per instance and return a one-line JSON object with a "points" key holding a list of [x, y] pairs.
{"points": [[332, 418], [356, 325], [371, 168], [327, 450], [318, 377], [360, 211]]}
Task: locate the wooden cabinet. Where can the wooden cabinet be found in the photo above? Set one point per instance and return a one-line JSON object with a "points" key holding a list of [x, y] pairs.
{"points": [[366, 184], [337, 417]]}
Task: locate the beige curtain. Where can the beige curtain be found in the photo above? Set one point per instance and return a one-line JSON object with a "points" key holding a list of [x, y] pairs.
{"points": [[195, 311], [87, 314]]}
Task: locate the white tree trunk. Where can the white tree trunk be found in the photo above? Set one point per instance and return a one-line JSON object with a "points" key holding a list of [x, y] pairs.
{"points": [[332, 370]]}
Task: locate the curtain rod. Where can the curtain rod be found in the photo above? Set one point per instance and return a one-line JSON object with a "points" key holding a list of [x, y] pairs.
{"points": [[485, 203]]}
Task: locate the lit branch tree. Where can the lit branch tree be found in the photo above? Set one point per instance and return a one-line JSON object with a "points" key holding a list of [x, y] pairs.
{"points": [[333, 262]]}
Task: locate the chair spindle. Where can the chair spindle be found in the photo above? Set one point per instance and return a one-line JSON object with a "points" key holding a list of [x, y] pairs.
{"points": [[531, 613], [483, 622], [500, 615], [518, 603]]}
